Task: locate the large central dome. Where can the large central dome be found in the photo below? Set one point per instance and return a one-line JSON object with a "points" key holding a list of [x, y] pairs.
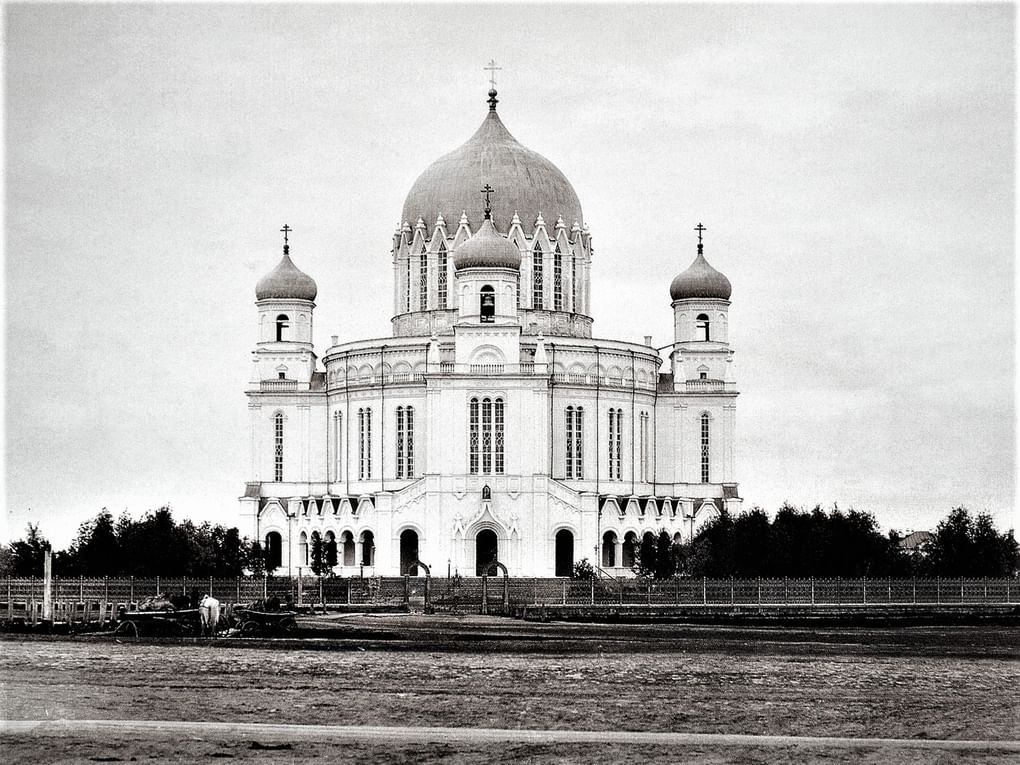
{"points": [[524, 182]]}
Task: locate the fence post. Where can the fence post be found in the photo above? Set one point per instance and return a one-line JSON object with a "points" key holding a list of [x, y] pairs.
{"points": [[81, 589], [407, 590], [534, 584], [865, 582], [890, 589], [812, 590], [938, 590], [485, 594], [322, 598], [265, 586], [592, 582], [961, 590], [506, 594], [184, 585], [238, 585], [300, 590], [1007, 588], [914, 586], [704, 590], [131, 594], [564, 592], [428, 586], [759, 590], [10, 605], [210, 588], [348, 590], [676, 584], [106, 590], [733, 601], [985, 599], [786, 590], [648, 593], [157, 585]]}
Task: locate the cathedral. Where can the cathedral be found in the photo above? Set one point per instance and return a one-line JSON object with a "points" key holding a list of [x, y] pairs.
{"points": [[492, 432]]}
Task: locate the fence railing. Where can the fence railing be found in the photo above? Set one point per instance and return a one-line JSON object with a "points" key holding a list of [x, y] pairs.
{"points": [[84, 595]]}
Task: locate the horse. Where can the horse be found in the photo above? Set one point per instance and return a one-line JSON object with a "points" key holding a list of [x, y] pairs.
{"points": [[209, 611]]}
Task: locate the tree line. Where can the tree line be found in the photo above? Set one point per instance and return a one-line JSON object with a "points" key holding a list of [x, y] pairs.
{"points": [[155, 545], [815, 543]]}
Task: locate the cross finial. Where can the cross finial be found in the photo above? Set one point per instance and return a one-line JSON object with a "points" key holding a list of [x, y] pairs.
{"points": [[286, 246], [492, 69], [699, 228], [488, 208]]}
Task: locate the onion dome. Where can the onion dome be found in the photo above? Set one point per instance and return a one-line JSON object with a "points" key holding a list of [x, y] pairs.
{"points": [[487, 249], [700, 280], [528, 182], [286, 281]]}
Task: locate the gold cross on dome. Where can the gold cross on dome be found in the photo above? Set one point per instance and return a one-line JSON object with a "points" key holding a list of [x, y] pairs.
{"points": [[699, 228], [492, 69], [286, 230]]}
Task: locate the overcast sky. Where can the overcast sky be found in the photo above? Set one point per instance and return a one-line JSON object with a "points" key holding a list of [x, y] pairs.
{"points": [[854, 166]]}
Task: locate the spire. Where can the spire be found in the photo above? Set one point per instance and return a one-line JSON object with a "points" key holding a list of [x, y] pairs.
{"points": [[701, 248]]}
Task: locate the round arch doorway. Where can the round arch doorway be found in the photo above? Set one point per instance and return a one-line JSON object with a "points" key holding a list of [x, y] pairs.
{"points": [[564, 553], [486, 550], [408, 551]]}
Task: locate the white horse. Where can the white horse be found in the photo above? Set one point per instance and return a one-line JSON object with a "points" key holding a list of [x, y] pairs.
{"points": [[209, 611]]}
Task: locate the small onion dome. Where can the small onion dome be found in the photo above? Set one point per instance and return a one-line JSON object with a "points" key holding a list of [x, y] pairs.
{"points": [[700, 280], [286, 282], [487, 249]]}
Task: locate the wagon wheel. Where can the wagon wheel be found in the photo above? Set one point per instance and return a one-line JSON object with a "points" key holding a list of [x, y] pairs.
{"points": [[287, 625], [127, 629], [250, 629]]}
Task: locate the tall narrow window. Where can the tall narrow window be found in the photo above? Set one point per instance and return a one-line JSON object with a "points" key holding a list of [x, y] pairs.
{"points": [[364, 444], [644, 446], [616, 444], [474, 438], [407, 283], [575, 442], [278, 447], [486, 439], [405, 442], [423, 280], [558, 280], [704, 447], [536, 277], [573, 284], [338, 433], [441, 277], [282, 324], [517, 292], [702, 326]]}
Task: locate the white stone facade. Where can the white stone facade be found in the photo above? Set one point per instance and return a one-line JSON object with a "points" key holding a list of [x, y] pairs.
{"points": [[465, 438]]}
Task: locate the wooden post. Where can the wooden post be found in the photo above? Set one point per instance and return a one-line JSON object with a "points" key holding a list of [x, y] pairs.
{"points": [[786, 591], [865, 583], [564, 592], [534, 583], [733, 600], [1007, 588], [47, 586], [300, 590], [237, 585], [106, 591], [812, 590], [913, 597], [704, 590], [81, 589], [210, 588], [157, 585], [938, 590], [506, 593], [890, 589], [759, 590], [10, 604], [592, 583], [407, 590], [265, 586], [131, 597], [648, 593], [428, 585], [348, 590], [485, 604], [322, 598]]}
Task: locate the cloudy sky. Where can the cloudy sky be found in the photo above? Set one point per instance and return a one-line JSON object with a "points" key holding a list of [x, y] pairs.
{"points": [[854, 166]]}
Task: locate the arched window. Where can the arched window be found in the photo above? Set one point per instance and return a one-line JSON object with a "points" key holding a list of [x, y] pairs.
{"points": [[705, 419], [338, 433], [329, 550], [536, 277], [575, 442], [701, 326], [278, 447], [367, 548], [303, 549], [487, 304], [273, 550], [282, 323], [405, 442], [615, 444], [629, 549], [485, 435], [408, 552], [423, 280], [609, 549], [441, 277], [558, 280], [364, 444], [347, 541]]}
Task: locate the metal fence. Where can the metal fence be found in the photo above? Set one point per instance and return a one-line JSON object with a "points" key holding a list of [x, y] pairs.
{"points": [[88, 599]]}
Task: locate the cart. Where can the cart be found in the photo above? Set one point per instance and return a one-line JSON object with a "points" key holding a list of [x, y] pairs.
{"points": [[253, 623], [180, 623]]}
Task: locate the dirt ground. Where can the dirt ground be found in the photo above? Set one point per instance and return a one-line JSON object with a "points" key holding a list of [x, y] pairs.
{"points": [[906, 683]]}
